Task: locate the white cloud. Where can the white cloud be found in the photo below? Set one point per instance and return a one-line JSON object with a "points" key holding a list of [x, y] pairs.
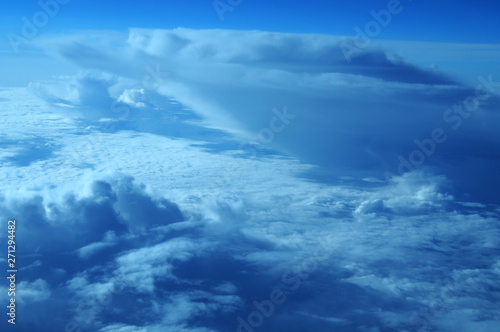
{"points": [[133, 97], [33, 291], [93, 248]]}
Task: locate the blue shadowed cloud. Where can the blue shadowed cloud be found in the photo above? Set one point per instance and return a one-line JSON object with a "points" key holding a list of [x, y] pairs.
{"points": [[237, 89]]}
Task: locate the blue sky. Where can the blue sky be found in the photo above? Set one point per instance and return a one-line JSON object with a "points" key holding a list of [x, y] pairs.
{"points": [[440, 21], [294, 166]]}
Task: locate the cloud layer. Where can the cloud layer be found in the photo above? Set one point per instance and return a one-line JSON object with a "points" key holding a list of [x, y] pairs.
{"points": [[215, 180]]}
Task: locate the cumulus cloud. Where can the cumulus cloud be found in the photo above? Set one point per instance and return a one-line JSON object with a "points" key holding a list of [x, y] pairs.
{"points": [[133, 97], [340, 272], [410, 193]]}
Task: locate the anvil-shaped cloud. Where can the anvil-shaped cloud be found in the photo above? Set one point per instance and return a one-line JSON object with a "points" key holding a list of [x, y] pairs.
{"points": [[377, 114]]}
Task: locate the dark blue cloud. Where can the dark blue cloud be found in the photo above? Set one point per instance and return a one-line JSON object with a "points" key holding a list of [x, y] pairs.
{"points": [[109, 258]]}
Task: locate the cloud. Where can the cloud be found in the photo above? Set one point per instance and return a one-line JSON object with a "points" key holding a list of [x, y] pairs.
{"points": [[410, 193], [304, 53], [196, 223], [372, 272], [142, 266], [35, 291], [133, 97], [93, 248], [381, 103]]}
